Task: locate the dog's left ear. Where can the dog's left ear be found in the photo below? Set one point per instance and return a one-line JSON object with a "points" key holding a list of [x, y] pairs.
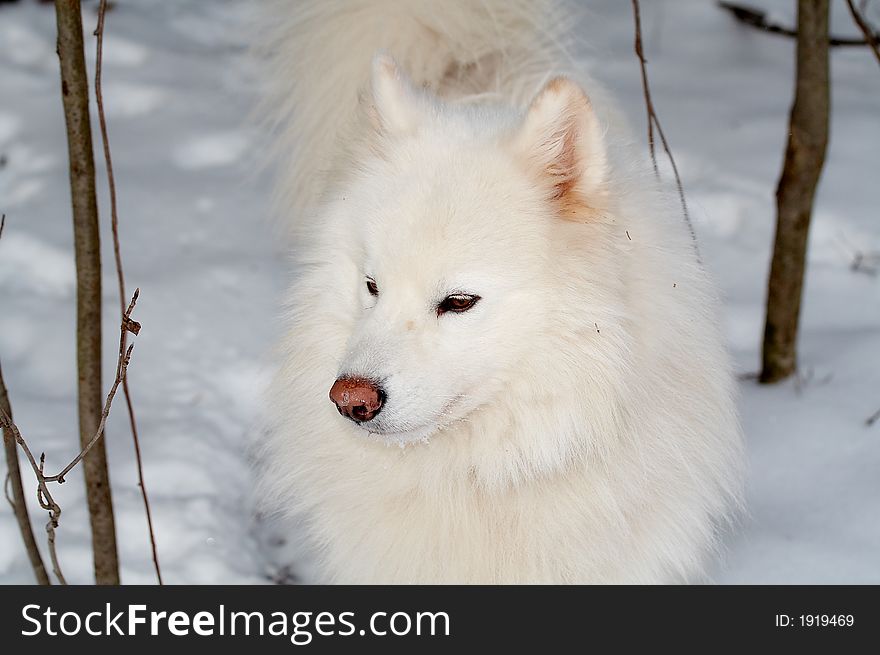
{"points": [[396, 103], [562, 143]]}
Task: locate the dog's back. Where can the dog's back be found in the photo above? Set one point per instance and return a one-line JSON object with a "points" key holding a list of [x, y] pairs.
{"points": [[317, 56]]}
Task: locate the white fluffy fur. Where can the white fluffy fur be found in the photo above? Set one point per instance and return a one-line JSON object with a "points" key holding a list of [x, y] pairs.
{"points": [[578, 424]]}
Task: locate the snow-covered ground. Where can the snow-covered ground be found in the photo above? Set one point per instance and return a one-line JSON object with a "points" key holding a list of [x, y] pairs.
{"points": [[195, 240]]}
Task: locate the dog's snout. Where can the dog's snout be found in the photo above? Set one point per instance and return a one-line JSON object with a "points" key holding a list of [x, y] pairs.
{"points": [[357, 398]]}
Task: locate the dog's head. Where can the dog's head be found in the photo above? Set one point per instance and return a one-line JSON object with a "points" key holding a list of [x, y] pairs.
{"points": [[453, 215]]}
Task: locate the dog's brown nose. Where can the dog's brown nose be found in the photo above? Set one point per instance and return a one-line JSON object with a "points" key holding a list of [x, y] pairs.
{"points": [[357, 398]]}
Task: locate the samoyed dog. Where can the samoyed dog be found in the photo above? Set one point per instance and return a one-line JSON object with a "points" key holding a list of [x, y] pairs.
{"points": [[502, 360]]}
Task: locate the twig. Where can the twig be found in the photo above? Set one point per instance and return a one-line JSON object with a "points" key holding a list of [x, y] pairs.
{"points": [[758, 19], [17, 498], [654, 121], [873, 40], [2, 224], [873, 418], [645, 89], [121, 368], [44, 496], [122, 362], [120, 276]]}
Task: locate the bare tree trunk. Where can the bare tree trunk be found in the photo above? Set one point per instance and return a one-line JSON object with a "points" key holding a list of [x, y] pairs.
{"points": [[804, 158], [87, 243], [18, 499]]}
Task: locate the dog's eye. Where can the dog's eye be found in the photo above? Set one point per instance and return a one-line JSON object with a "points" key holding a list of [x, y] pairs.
{"points": [[372, 287], [457, 303]]}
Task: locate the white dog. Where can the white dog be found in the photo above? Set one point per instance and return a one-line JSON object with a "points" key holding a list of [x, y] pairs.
{"points": [[527, 382]]}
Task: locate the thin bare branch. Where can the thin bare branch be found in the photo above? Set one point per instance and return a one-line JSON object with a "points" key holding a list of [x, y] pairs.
{"points": [[873, 40], [646, 90], [758, 19], [654, 122], [108, 159], [120, 275], [121, 370], [44, 496]]}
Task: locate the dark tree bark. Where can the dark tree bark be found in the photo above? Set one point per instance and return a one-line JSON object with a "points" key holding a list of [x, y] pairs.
{"points": [[18, 498], [804, 158], [87, 243]]}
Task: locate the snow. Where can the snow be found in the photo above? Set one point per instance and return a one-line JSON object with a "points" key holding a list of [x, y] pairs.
{"points": [[210, 150], [211, 270]]}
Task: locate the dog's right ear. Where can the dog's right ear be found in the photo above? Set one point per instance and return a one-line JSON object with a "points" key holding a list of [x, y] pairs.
{"points": [[395, 109], [564, 146]]}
